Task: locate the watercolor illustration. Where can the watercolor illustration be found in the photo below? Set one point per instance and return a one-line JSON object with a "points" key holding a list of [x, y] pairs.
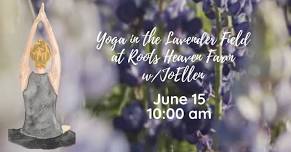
{"points": [[40, 86]]}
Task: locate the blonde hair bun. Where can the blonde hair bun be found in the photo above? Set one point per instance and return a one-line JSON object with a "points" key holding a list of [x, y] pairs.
{"points": [[40, 53]]}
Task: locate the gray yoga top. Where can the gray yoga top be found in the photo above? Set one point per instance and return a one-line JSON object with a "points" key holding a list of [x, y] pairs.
{"points": [[40, 108]]}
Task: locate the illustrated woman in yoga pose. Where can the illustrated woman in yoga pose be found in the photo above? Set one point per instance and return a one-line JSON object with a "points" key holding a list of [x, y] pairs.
{"points": [[40, 79], [40, 85]]}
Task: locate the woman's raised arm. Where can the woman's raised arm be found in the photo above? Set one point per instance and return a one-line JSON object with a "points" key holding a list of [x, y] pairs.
{"points": [[24, 64], [55, 70]]}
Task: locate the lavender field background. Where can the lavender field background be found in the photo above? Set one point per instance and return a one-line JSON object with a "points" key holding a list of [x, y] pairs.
{"points": [[99, 99]]}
